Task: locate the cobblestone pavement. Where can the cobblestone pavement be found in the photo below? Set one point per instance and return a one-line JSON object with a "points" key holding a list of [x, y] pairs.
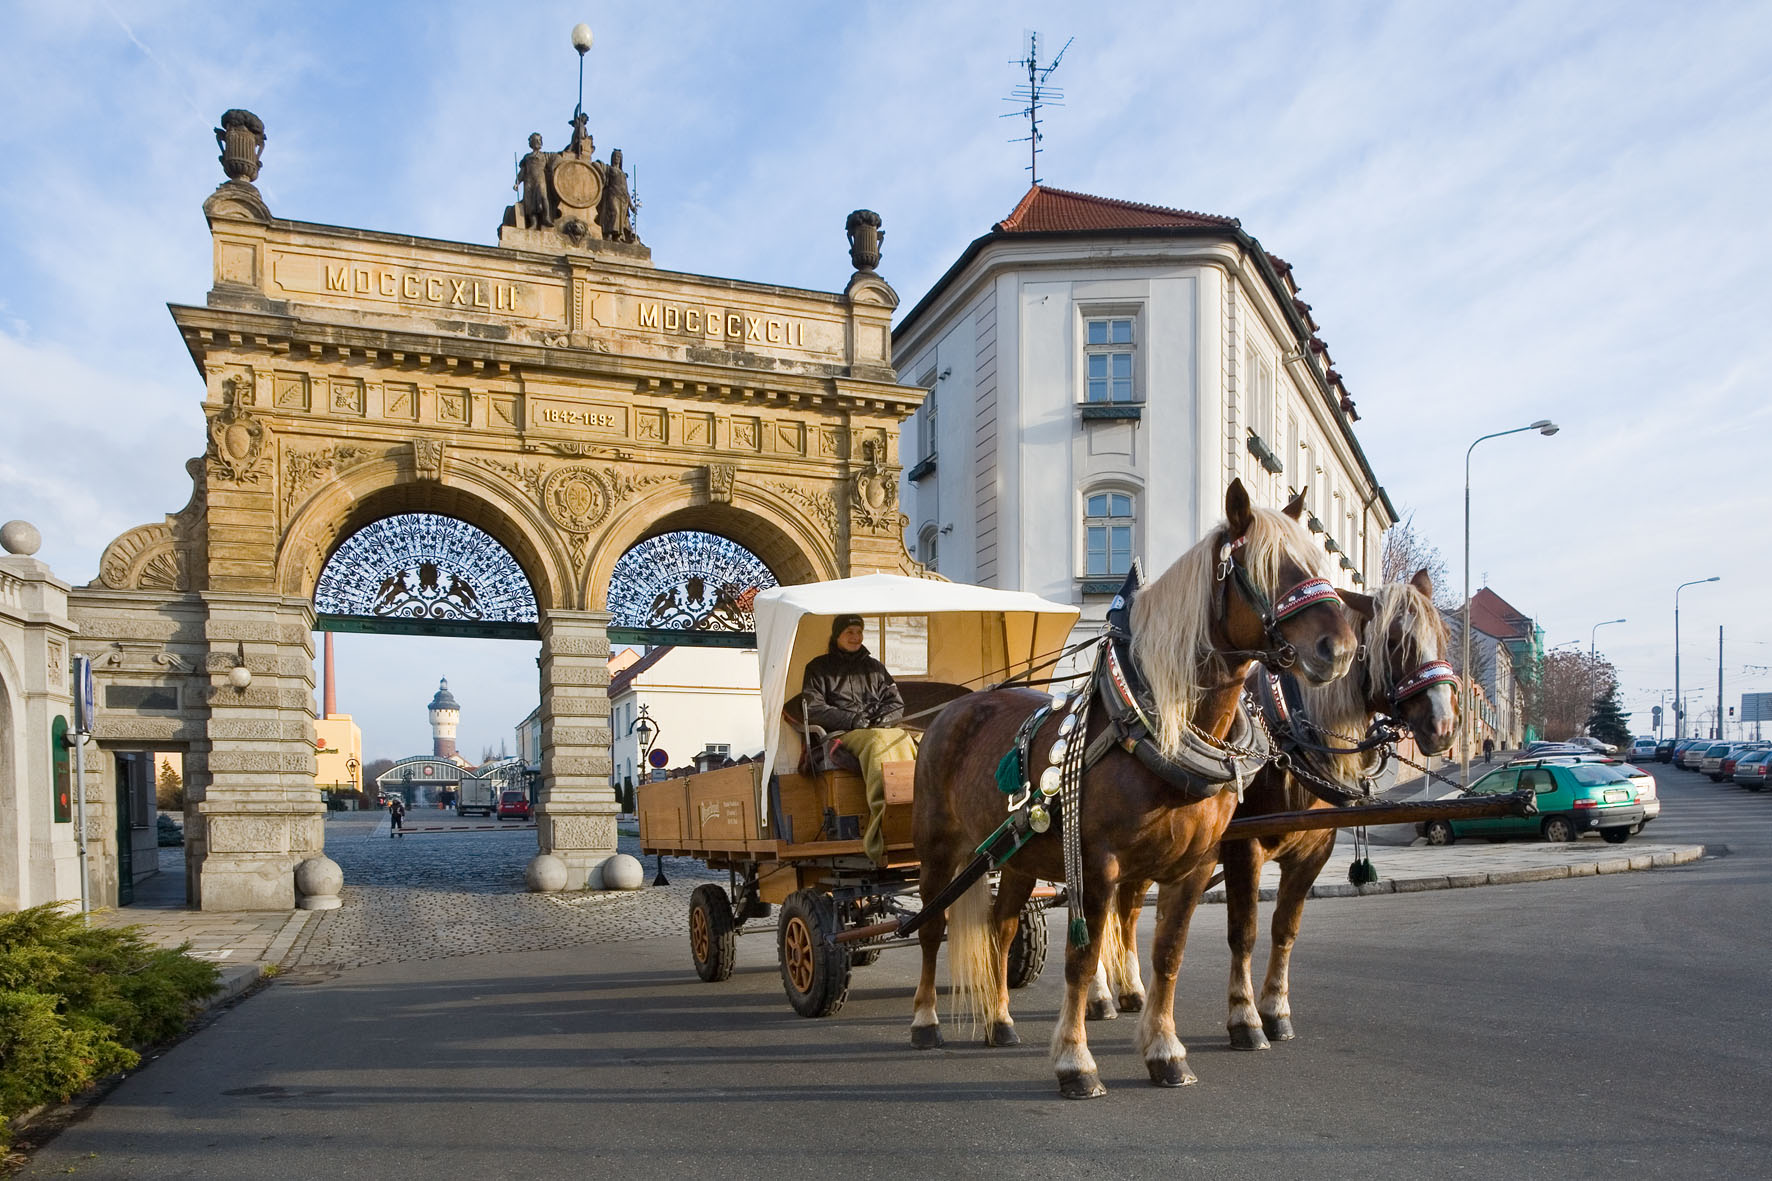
{"points": [[433, 895]]}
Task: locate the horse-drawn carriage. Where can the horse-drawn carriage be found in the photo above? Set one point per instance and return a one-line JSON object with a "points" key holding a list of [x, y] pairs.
{"points": [[789, 828], [1130, 781]]}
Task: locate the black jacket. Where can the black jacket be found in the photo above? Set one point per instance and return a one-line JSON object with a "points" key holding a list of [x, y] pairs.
{"points": [[850, 691]]}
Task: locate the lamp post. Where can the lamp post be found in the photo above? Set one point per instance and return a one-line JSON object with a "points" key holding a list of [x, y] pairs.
{"points": [[1680, 702], [1543, 426], [647, 730], [352, 766], [1591, 651]]}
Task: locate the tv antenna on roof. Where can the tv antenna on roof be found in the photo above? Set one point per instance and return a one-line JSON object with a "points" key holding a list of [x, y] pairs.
{"points": [[1033, 96]]}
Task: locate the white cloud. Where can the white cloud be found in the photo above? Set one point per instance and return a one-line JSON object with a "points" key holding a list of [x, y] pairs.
{"points": [[1547, 210]]}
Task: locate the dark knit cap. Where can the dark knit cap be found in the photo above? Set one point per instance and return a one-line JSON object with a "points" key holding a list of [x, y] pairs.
{"points": [[843, 623]]}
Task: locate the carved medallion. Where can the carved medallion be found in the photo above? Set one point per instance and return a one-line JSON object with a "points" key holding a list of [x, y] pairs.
{"points": [[236, 439], [577, 183], [577, 498]]}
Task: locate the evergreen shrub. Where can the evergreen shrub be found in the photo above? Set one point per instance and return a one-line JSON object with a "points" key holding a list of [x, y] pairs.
{"points": [[76, 1000]]}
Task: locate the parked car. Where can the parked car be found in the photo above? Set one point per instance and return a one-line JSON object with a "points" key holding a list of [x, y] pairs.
{"points": [[1594, 744], [1751, 769], [1647, 795], [1694, 753], [1664, 750], [1642, 749], [1726, 769], [513, 805], [1712, 763], [1574, 798]]}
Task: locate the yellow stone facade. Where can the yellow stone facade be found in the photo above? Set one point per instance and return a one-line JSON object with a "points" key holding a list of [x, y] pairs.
{"points": [[569, 402]]}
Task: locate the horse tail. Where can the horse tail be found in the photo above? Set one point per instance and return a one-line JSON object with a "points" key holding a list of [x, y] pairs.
{"points": [[972, 956], [1112, 952]]}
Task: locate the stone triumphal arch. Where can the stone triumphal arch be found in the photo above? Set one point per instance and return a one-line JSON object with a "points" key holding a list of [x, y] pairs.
{"points": [[557, 391]]}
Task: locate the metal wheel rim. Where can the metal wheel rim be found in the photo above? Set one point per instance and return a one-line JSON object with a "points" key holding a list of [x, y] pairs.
{"points": [[700, 937], [796, 954]]}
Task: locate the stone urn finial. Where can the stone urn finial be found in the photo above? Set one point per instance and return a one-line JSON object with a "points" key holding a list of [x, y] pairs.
{"points": [[242, 139], [865, 236]]}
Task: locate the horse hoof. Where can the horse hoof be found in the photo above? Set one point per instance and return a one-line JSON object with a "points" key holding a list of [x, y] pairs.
{"points": [[926, 1037], [1171, 1072], [1101, 1009], [1001, 1034], [1278, 1028], [1132, 1002], [1081, 1086], [1247, 1037]]}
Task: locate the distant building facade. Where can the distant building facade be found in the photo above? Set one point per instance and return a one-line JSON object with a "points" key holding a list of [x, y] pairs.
{"points": [[1100, 372], [703, 701]]}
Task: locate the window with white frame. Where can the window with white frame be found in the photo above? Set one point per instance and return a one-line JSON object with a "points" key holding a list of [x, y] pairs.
{"points": [[1261, 395], [1109, 359], [928, 546], [926, 417], [1108, 523]]}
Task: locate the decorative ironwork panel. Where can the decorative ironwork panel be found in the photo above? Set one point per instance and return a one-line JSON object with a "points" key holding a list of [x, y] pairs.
{"points": [[424, 566], [687, 581]]}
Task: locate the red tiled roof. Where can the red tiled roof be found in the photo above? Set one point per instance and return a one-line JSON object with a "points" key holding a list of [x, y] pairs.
{"points": [[1495, 616], [1046, 209]]}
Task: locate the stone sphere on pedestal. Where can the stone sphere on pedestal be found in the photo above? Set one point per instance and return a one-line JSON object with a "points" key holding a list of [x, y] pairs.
{"points": [[623, 872], [546, 874], [317, 883], [20, 537]]}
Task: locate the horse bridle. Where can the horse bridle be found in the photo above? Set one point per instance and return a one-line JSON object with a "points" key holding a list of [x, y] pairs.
{"points": [[1280, 654]]}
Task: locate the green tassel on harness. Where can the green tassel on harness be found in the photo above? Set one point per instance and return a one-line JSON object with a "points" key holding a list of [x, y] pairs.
{"points": [[1009, 777], [1079, 931], [1362, 872]]}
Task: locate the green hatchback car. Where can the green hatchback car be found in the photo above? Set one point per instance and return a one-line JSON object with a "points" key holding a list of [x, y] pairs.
{"points": [[1573, 798]]}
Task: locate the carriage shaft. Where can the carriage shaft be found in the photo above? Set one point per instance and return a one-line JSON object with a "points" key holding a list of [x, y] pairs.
{"points": [[1519, 803]]}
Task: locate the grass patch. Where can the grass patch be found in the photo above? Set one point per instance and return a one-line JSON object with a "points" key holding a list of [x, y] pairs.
{"points": [[75, 1001]]}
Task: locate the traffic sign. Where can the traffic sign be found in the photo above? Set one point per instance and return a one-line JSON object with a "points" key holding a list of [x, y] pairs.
{"points": [[84, 701], [658, 758], [1756, 707]]}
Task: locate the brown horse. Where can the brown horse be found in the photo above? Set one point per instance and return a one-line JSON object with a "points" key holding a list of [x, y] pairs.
{"points": [[1403, 675], [1195, 633]]}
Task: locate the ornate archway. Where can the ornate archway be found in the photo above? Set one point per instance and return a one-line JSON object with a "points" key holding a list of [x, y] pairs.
{"points": [[554, 392]]}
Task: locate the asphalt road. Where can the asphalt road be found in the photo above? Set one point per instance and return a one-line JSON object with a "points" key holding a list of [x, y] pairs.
{"points": [[1599, 1026]]}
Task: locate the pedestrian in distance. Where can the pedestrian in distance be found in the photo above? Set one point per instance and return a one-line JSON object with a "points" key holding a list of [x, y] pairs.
{"points": [[396, 814], [1488, 749]]}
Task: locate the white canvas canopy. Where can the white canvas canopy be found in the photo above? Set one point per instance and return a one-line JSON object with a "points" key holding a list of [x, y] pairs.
{"points": [[975, 636]]}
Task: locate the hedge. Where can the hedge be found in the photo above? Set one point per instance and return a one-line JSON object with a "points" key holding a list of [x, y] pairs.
{"points": [[76, 1000]]}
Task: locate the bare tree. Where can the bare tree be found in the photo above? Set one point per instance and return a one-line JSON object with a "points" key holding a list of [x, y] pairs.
{"points": [[1569, 684], [1406, 551]]}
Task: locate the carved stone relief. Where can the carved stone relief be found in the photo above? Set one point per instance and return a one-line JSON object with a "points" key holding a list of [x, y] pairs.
{"points": [[302, 469], [427, 458], [721, 478], [576, 498], [237, 439], [821, 504], [584, 832], [874, 500]]}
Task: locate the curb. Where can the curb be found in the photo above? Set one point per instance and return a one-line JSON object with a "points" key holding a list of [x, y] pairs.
{"points": [[1624, 863]]}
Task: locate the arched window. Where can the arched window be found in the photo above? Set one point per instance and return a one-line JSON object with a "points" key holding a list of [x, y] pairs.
{"points": [[928, 545], [1108, 524]]}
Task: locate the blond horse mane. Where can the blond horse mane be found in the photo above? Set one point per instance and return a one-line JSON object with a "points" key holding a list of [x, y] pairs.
{"points": [[1340, 706], [1172, 617]]}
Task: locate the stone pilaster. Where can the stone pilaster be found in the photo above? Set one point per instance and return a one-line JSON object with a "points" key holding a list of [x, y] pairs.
{"points": [[261, 813], [576, 816]]}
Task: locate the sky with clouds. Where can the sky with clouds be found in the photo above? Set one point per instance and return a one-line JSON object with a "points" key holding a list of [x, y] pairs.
{"points": [[1499, 214]]}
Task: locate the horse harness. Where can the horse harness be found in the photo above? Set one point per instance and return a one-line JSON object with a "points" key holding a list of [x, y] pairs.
{"points": [[1202, 768]]}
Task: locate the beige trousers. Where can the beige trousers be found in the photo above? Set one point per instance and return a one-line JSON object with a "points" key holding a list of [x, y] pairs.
{"points": [[871, 749]]}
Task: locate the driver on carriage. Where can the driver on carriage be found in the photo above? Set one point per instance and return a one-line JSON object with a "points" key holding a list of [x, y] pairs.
{"points": [[851, 696]]}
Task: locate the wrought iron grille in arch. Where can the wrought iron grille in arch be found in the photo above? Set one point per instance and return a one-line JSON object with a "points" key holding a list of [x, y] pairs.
{"points": [[421, 566], [687, 581]]}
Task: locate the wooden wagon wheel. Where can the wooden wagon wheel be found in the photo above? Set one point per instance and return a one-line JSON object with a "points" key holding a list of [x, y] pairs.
{"points": [[814, 970], [711, 941]]}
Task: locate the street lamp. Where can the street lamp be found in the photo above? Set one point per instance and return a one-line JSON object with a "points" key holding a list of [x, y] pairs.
{"points": [[1680, 702], [1543, 426], [1591, 653], [647, 730]]}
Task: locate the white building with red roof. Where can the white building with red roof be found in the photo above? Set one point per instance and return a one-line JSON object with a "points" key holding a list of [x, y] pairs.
{"points": [[1100, 371]]}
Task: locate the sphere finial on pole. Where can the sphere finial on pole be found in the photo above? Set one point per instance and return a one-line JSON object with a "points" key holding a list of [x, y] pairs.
{"points": [[581, 38]]}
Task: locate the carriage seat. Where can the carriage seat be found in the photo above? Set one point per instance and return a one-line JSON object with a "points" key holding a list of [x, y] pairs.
{"points": [[819, 748]]}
